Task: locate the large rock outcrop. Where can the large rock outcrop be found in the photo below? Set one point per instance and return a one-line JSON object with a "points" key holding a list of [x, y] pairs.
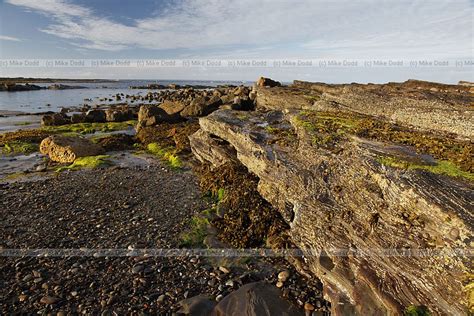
{"points": [[65, 149], [426, 106], [373, 218]]}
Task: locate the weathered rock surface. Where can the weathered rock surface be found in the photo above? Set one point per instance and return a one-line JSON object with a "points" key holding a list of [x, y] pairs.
{"points": [[202, 106], [201, 305], [96, 116], [267, 82], [121, 114], [341, 202], [66, 149], [150, 115], [172, 108], [255, 299], [55, 119], [423, 105]]}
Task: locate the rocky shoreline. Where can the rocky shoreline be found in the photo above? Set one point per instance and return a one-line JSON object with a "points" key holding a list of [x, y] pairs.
{"points": [[309, 167]]}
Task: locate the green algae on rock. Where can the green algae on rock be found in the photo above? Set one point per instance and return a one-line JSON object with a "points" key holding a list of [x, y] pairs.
{"points": [[90, 128], [20, 147], [167, 154], [440, 167], [328, 128], [197, 232], [89, 162]]}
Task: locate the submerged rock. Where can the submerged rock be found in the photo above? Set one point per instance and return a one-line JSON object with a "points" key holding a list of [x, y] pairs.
{"points": [[65, 149]]}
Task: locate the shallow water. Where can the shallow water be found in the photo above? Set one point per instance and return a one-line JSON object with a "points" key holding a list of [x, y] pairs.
{"points": [[20, 168], [54, 100]]}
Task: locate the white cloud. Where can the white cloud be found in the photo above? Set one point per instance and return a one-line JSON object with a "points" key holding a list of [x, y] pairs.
{"points": [[9, 38], [267, 29]]}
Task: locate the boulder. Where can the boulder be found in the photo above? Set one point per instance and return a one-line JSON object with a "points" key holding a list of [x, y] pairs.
{"points": [[227, 98], [172, 108], [150, 115], [202, 106], [119, 115], [200, 305], [116, 142], [96, 116], [241, 91], [65, 149], [55, 119], [267, 82], [78, 118], [256, 299], [360, 221]]}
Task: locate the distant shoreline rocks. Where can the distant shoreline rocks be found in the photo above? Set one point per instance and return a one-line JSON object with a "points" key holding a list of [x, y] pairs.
{"points": [[15, 87]]}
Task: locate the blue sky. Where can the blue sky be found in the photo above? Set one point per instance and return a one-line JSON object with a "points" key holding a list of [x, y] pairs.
{"points": [[241, 29]]}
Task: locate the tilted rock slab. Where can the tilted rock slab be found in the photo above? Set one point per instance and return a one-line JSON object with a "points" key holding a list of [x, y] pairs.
{"points": [[342, 205], [66, 149]]}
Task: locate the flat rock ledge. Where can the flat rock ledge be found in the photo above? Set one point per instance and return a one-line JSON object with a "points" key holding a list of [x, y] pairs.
{"points": [[355, 219]]}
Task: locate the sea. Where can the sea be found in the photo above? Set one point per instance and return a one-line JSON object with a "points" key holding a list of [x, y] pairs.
{"points": [[14, 105], [53, 100]]}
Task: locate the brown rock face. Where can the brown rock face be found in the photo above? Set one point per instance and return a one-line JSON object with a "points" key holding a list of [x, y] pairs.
{"points": [[66, 149], [119, 114], [381, 238], [55, 120], [267, 82], [96, 116], [150, 115], [202, 106], [172, 108]]}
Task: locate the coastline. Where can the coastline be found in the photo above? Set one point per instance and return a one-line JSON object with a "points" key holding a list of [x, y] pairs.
{"points": [[192, 167]]}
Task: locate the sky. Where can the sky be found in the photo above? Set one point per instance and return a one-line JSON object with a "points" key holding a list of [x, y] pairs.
{"points": [[364, 30]]}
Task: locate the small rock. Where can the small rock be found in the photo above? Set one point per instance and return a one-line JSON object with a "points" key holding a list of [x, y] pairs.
{"points": [[27, 277], [283, 276], [219, 297], [49, 300], [224, 270], [230, 283], [41, 168], [279, 284], [161, 299], [22, 297], [308, 306], [138, 268], [38, 280]]}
